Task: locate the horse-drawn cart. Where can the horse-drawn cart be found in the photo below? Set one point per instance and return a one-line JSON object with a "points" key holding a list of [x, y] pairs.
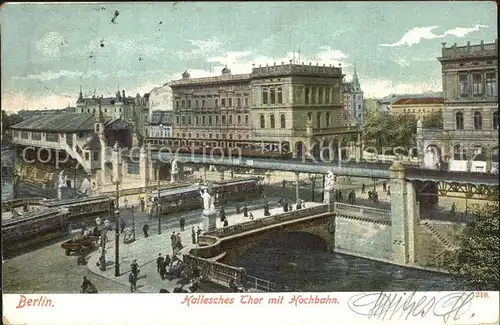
{"points": [[78, 243]]}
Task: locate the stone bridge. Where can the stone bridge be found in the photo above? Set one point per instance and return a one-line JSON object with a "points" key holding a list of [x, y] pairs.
{"points": [[330, 222]]}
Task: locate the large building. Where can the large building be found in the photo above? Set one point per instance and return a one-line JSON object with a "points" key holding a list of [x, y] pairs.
{"points": [[134, 110], [287, 107], [160, 124], [418, 107], [353, 101], [469, 138]]}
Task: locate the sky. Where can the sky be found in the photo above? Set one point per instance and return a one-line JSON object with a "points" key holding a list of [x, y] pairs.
{"points": [[49, 51]]}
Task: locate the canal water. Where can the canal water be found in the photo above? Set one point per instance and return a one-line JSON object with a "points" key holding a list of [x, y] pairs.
{"points": [[300, 261]]}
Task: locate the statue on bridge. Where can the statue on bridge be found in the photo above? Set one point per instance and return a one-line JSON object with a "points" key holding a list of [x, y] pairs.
{"points": [[209, 214], [329, 187], [174, 171], [208, 204]]}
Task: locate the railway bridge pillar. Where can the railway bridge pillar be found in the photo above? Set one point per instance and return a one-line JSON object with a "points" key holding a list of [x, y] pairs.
{"points": [[145, 167], [404, 216]]}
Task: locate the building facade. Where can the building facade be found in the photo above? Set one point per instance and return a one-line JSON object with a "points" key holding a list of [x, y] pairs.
{"points": [[418, 107], [287, 107], [353, 101], [469, 138], [134, 110]]}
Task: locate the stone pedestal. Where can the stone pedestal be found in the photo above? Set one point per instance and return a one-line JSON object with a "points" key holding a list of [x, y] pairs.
{"points": [[329, 196], [209, 220]]}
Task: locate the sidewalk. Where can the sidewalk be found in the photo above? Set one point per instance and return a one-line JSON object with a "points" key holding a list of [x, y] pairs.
{"points": [[146, 250]]}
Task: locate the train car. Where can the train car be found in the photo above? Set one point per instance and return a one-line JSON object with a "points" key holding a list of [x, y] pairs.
{"points": [[85, 206], [34, 228], [186, 198]]}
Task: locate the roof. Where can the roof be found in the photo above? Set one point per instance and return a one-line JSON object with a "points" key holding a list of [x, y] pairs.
{"points": [[61, 123], [419, 101]]}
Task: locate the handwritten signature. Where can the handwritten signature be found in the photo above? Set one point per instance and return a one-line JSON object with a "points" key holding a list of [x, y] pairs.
{"points": [[386, 305]]}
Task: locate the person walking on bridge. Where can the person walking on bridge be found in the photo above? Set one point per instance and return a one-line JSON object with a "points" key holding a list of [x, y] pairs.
{"points": [[182, 223]]}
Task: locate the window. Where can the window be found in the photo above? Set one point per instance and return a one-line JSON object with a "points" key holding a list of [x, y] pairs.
{"points": [[307, 95], [196, 120], [49, 137], [189, 104], [177, 134], [203, 120], [223, 102], [247, 136], [491, 85], [189, 135], [197, 135], [246, 101], [216, 102], [327, 119], [239, 136], [238, 102], [95, 156], [309, 116], [247, 119], [231, 137], [202, 103], [177, 104], [210, 120], [459, 121], [223, 119], [217, 135], [265, 96], [477, 84], [196, 104], [464, 85], [230, 120], [183, 104], [238, 119], [217, 120], [280, 95], [190, 120], [230, 102], [273, 95], [38, 136], [177, 120], [210, 135], [327, 96], [478, 121], [272, 121], [223, 136], [495, 120], [318, 119], [313, 95], [183, 120], [320, 95], [283, 121], [262, 121]]}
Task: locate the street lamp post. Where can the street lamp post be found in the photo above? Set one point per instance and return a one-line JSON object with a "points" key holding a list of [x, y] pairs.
{"points": [[158, 201], [132, 209], [117, 231]]}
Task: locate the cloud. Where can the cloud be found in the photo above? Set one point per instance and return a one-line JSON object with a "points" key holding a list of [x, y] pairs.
{"points": [[51, 45], [416, 34], [16, 101], [53, 75], [201, 48], [378, 88]]}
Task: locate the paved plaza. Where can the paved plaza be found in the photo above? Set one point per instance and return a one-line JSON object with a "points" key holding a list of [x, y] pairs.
{"points": [[146, 250]]}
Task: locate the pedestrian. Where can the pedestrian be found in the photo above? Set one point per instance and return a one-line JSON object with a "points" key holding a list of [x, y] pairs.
{"points": [[134, 268], [363, 188], [283, 183], [266, 209], [178, 241], [245, 211], [159, 261], [133, 282], [453, 208], [173, 240], [238, 208], [142, 204], [222, 214], [85, 284], [226, 223], [353, 197], [384, 186], [375, 197], [198, 233], [193, 236], [182, 223], [145, 229], [388, 190], [123, 224]]}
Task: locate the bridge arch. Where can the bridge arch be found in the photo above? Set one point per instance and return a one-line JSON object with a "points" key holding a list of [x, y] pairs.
{"points": [[326, 150], [299, 149]]}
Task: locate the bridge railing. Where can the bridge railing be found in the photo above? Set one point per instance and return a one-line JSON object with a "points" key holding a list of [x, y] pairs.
{"points": [[267, 221], [216, 271], [260, 284], [362, 211]]}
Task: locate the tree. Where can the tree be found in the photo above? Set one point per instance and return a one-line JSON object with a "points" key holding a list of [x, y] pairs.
{"points": [[9, 120], [433, 120], [477, 257]]}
